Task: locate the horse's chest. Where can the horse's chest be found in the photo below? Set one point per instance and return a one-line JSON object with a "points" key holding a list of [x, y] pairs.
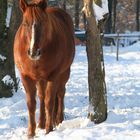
{"points": [[34, 70]]}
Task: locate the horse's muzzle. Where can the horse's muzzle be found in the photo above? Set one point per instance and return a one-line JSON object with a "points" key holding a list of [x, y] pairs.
{"points": [[34, 54]]}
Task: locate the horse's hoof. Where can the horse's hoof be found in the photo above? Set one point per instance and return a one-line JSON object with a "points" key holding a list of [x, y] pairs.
{"points": [[58, 121], [31, 135], [48, 130]]}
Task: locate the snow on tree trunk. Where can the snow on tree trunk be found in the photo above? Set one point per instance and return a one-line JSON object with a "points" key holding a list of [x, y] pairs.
{"points": [[96, 76], [9, 12], [100, 8]]}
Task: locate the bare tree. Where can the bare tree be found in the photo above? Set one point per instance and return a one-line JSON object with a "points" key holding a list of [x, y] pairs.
{"points": [[111, 22], [7, 67], [3, 8], [114, 16], [96, 75], [137, 15], [108, 27], [77, 4], [5, 90]]}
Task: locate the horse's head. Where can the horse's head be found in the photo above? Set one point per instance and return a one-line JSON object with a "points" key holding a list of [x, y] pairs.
{"points": [[33, 26]]}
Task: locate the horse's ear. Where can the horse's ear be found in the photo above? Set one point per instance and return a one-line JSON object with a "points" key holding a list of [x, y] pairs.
{"points": [[23, 5], [42, 4]]}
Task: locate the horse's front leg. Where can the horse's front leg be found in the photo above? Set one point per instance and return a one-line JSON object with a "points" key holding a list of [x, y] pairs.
{"points": [[49, 105], [41, 86], [30, 89]]}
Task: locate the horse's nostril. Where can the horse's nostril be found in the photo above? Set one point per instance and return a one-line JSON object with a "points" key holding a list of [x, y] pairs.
{"points": [[28, 52], [38, 52]]}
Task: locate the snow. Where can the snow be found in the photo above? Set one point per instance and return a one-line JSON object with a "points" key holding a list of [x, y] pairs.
{"points": [[100, 11], [123, 94], [8, 17], [2, 58], [8, 80]]}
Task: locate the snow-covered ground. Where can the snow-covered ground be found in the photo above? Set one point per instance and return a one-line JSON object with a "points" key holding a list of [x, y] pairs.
{"points": [[123, 89]]}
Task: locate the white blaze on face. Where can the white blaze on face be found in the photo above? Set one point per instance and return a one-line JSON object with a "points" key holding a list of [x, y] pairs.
{"points": [[32, 38]]}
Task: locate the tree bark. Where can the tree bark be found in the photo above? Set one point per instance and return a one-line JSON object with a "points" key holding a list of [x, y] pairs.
{"points": [[137, 15], [108, 27], [3, 8], [111, 22], [77, 4], [98, 2], [96, 76], [114, 16], [7, 67]]}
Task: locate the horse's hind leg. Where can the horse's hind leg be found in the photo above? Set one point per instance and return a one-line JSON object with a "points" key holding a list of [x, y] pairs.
{"points": [[30, 89], [41, 85]]}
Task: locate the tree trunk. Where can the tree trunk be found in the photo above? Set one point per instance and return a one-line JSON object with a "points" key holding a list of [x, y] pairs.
{"points": [[114, 16], [108, 27], [137, 15], [7, 67], [77, 4], [3, 8], [96, 77], [98, 2]]}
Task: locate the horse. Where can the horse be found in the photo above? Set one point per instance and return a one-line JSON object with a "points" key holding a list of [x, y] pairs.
{"points": [[43, 53]]}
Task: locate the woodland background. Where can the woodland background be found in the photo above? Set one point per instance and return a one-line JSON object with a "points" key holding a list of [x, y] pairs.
{"points": [[124, 16]]}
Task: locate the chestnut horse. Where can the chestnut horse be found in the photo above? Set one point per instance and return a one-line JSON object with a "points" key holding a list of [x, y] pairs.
{"points": [[43, 52]]}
